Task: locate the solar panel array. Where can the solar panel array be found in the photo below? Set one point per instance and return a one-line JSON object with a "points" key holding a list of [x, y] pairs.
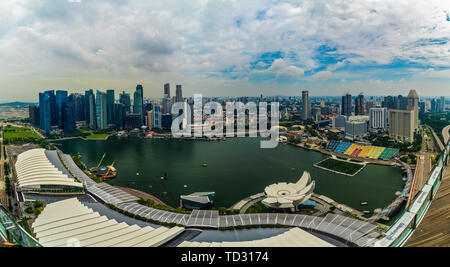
{"points": [[362, 151]]}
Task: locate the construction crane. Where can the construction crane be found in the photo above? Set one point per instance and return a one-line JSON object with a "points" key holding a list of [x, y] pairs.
{"points": [[100, 163], [109, 168]]}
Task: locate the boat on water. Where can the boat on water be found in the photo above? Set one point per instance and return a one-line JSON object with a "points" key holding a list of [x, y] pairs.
{"points": [[205, 165], [364, 203]]}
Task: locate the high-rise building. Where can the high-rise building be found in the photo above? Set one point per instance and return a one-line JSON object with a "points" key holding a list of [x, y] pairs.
{"points": [[157, 116], [110, 97], [45, 111], [179, 94], [359, 105], [89, 110], [138, 107], [79, 106], [150, 119], [442, 102], [338, 122], [356, 126], [369, 105], [69, 117], [317, 113], [125, 99], [167, 90], [120, 114], [101, 110], [422, 107], [33, 112], [347, 105], [403, 123], [166, 121], [61, 100], [133, 121], [306, 106], [413, 105], [378, 118]]}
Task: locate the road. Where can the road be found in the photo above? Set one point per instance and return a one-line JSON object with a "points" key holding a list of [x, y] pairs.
{"points": [[423, 166], [445, 134], [3, 195]]}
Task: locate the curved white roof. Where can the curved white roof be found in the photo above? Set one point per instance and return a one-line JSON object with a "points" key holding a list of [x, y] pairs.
{"points": [[294, 237], [289, 195], [33, 168], [70, 223]]}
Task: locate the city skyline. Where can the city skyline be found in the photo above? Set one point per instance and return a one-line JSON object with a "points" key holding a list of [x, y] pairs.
{"points": [[220, 48]]}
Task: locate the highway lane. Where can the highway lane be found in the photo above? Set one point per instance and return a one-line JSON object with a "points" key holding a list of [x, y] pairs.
{"points": [[446, 134]]}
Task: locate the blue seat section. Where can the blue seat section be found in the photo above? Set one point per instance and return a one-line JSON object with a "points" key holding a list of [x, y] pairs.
{"points": [[342, 147], [332, 145]]}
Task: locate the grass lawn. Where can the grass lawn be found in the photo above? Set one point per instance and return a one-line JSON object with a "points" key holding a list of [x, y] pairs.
{"points": [[15, 129], [340, 166], [21, 135], [98, 136]]}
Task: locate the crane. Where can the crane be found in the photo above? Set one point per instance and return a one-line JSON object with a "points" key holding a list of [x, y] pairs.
{"points": [[109, 168], [100, 163]]}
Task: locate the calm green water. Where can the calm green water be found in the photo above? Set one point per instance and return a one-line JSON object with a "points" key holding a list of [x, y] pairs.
{"points": [[237, 168]]}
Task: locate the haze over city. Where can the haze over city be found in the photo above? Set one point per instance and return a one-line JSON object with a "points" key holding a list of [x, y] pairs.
{"points": [[225, 48]]}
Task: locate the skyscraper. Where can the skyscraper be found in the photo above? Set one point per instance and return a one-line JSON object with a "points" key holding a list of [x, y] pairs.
{"points": [[61, 100], [125, 99], [45, 103], [166, 103], [69, 117], [139, 102], [119, 116], [378, 118], [347, 105], [167, 90], [403, 123], [306, 106], [87, 105], [359, 105], [101, 110], [33, 112], [413, 105], [91, 109], [442, 108], [79, 106], [179, 94], [110, 106]]}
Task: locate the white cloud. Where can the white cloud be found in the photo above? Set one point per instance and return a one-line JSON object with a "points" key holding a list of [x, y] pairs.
{"points": [[183, 40], [281, 69]]}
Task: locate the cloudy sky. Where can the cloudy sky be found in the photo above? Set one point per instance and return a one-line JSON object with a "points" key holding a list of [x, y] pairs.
{"points": [[225, 47]]}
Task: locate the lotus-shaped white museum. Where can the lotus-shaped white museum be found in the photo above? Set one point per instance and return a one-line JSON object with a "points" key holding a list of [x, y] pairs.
{"points": [[289, 195]]}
